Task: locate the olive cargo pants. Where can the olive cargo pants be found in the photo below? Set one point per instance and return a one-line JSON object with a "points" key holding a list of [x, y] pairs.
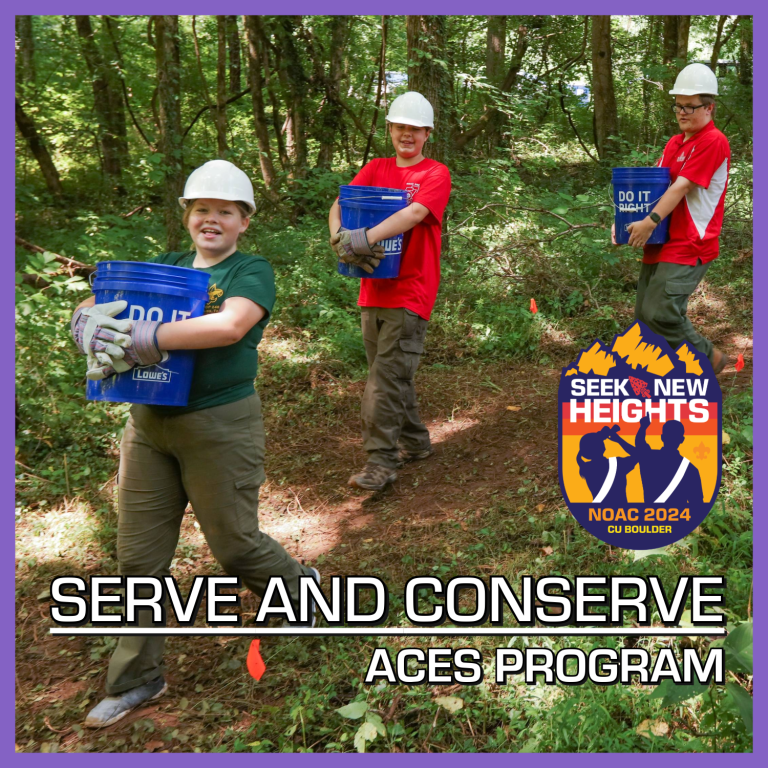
{"points": [[213, 458], [394, 343], [663, 290]]}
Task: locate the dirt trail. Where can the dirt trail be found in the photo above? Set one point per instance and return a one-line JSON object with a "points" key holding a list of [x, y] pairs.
{"points": [[494, 429]]}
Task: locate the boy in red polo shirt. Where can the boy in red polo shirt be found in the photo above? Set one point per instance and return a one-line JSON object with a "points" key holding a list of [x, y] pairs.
{"points": [[698, 159], [395, 312]]}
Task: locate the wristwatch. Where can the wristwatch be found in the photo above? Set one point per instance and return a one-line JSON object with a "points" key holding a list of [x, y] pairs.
{"points": [[654, 217]]}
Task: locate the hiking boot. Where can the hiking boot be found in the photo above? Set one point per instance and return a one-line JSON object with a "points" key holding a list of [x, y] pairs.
{"points": [[406, 457], [312, 608], [719, 361], [374, 477], [115, 708]]}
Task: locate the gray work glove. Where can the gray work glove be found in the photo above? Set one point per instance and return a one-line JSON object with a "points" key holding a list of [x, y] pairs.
{"points": [[107, 343], [99, 336], [352, 247], [141, 349]]}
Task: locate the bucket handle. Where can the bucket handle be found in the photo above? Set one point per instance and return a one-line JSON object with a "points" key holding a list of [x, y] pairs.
{"points": [[375, 197], [91, 278]]}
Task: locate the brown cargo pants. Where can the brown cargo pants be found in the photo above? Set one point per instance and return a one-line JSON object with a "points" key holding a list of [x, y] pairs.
{"points": [[394, 343], [663, 290], [213, 458]]}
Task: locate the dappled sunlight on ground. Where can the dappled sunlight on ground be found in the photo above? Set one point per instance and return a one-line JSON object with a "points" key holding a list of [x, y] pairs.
{"points": [[47, 535]]}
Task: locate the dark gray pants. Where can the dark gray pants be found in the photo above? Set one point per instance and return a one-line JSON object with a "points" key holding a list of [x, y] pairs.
{"points": [[213, 458], [663, 290], [394, 343]]}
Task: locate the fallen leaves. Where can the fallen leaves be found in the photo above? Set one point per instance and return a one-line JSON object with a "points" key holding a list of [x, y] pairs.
{"points": [[450, 703], [649, 728], [153, 746]]}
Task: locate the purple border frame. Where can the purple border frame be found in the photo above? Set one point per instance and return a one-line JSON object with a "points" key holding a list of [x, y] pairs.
{"points": [[310, 7]]}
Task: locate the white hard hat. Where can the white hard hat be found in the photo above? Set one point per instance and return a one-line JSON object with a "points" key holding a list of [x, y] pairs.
{"points": [[219, 180], [695, 79], [411, 108]]}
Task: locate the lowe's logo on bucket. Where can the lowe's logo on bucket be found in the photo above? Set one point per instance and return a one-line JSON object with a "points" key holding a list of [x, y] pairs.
{"points": [[137, 312], [153, 373], [393, 244]]}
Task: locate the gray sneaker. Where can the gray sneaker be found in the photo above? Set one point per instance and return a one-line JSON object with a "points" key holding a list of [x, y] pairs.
{"points": [[406, 457], [374, 477], [312, 608], [114, 708]]}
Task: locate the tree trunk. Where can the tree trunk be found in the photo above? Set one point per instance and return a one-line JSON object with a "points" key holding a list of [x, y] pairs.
{"points": [[495, 53], [495, 49], [221, 85], [745, 52], [253, 31], [28, 130], [107, 105], [521, 46], [120, 79], [116, 100], [381, 88], [683, 31], [428, 74], [669, 50], [330, 120], [606, 115], [213, 108], [649, 59], [721, 40], [233, 34], [297, 85], [25, 59], [168, 64]]}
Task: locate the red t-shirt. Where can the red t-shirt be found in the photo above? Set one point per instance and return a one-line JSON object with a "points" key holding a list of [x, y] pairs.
{"points": [[695, 224], [429, 183]]}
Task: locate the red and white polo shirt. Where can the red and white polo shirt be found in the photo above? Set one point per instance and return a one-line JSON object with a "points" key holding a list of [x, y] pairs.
{"points": [[695, 224]]}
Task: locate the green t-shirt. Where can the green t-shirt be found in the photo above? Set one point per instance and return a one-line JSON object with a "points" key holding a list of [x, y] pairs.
{"points": [[225, 374]]}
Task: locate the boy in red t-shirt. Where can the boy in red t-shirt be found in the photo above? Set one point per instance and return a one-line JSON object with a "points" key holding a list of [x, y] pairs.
{"points": [[698, 160], [395, 312]]}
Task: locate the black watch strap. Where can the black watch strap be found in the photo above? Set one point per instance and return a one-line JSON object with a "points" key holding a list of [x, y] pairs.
{"points": [[654, 217]]}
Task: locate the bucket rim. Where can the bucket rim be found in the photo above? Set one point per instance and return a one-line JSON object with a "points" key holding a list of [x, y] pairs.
{"points": [[371, 189], [138, 267], [355, 202], [184, 292], [647, 172]]}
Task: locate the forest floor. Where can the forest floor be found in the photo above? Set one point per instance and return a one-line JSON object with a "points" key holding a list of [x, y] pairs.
{"points": [[487, 502]]}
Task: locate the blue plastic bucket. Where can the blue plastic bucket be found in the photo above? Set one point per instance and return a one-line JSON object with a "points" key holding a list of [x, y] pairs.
{"points": [[635, 194], [153, 292], [367, 207]]}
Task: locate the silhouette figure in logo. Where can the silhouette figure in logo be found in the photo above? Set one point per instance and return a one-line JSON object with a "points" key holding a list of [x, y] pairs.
{"points": [[606, 477], [665, 472]]}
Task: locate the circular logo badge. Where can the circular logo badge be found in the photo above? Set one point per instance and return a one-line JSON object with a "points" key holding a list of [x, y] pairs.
{"points": [[640, 439]]}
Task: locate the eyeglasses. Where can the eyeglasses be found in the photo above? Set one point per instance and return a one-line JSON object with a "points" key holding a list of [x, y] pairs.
{"points": [[676, 108]]}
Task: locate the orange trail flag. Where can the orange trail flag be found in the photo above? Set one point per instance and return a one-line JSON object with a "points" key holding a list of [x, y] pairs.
{"points": [[255, 663], [534, 308], [739, 362]]}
